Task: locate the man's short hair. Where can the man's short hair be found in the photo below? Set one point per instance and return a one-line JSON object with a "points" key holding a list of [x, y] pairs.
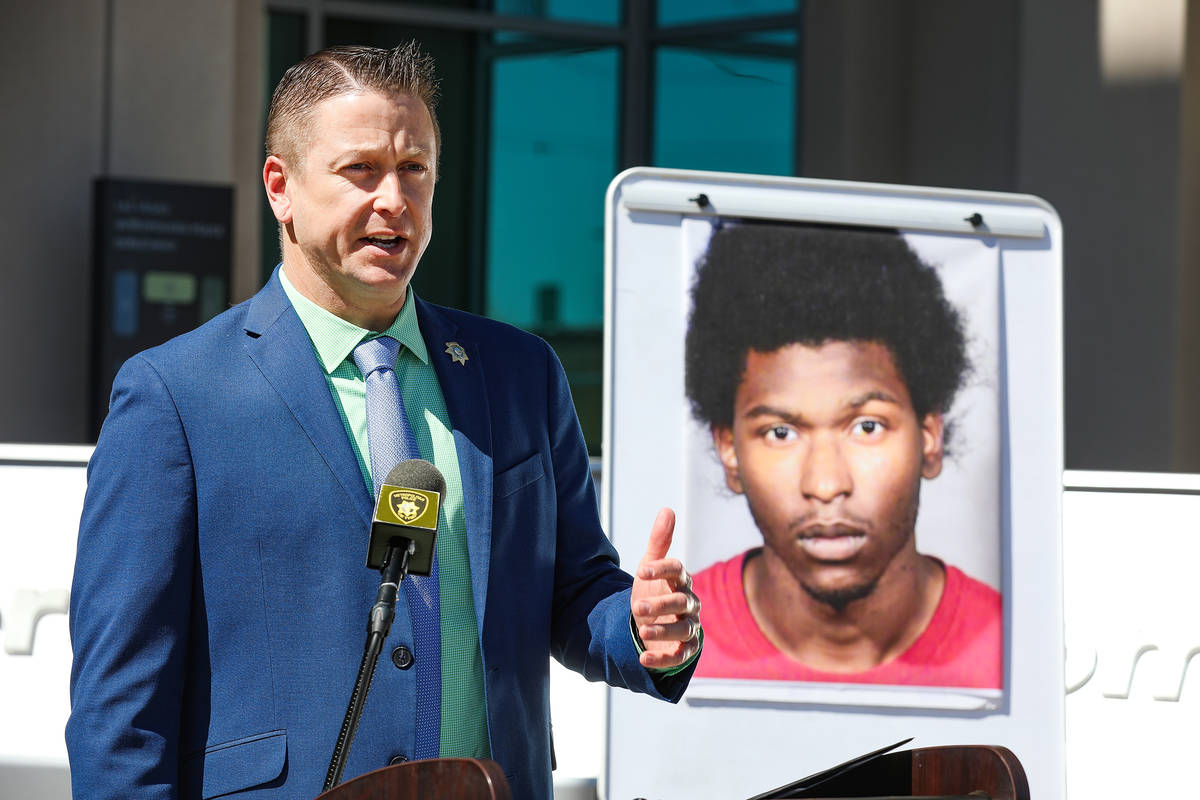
{"points": [[762, 286], [405, 69]]}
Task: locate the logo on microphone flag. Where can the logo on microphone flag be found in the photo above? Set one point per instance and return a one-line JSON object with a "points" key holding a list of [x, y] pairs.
{"points": [[414, 508], [407, 505]]}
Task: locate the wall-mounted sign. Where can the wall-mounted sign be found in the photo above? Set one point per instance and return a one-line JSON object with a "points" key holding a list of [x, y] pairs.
{"points": [[162, 265]]}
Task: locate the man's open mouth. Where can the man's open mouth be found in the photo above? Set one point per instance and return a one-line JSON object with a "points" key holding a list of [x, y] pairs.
{"points": [[386, 242]]}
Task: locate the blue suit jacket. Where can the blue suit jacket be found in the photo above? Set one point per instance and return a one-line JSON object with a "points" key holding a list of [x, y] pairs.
{"points": [[220, 596]]}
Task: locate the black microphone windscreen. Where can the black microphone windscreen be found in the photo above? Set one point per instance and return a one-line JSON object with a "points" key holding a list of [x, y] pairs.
{"points": [[417, 473]]}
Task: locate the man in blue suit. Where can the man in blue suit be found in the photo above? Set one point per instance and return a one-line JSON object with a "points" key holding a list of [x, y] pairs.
{"points": [[220, 596]]}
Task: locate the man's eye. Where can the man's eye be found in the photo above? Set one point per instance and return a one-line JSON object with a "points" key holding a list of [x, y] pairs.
{"points": [[359, 166], [780, 433], [416, 167], [868, 427]]}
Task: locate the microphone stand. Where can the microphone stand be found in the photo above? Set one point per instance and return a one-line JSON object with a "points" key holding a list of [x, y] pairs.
{"points": [[394, 570]]}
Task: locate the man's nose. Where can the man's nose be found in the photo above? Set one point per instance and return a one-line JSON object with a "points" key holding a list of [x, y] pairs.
{"points": [[389, 195], [825, 476]]}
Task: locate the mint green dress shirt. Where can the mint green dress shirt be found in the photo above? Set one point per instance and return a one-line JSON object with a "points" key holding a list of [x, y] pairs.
{"points": [[464, 717]]}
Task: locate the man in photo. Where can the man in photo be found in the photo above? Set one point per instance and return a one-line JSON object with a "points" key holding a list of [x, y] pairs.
{"points": [[824, 360]]}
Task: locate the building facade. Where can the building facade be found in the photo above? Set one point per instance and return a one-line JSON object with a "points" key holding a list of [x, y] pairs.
{"points": [[1090, 105]]}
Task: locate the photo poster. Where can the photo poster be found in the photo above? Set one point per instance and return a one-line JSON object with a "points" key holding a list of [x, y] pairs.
{"points": [[986, 667], [958, 520]]}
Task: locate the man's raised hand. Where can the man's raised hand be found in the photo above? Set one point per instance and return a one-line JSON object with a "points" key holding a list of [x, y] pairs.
{"points": [[665, 610]]}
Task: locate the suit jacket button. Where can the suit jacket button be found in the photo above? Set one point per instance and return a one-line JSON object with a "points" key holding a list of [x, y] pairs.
{"points": [[402, 657], [397, 760]]}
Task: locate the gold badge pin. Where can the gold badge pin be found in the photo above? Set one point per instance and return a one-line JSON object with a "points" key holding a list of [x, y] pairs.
{"points": [[456, 352]]}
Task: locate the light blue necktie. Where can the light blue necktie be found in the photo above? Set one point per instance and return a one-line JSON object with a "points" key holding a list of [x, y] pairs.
{"points": [[390, 440]]}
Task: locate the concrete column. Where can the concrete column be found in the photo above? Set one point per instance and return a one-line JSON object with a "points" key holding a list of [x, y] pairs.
{"points": [[156, 89], [1104, 150], [911, 92], [1185, 421], [52, 59], [249, 117], [857, 68]]}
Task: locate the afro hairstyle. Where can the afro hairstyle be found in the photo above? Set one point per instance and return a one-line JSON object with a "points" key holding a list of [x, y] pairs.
{"points": [[762, 286]]}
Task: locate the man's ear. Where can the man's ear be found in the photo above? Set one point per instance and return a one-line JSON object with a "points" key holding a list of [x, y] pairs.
{"points": [[932, 444], [275, 181], [723, 442]]}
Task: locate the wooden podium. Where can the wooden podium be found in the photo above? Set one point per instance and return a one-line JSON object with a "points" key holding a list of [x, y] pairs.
{"points": [[978, 772], [960, 772], [432, 779]]}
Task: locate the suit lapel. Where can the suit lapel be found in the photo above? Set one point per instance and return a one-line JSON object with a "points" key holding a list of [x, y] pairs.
{"points": [[279, 345], [465, 392]]}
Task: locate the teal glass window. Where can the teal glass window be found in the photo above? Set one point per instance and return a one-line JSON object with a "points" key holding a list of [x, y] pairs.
{"points": [[600, 12], [682, 12], [552, 152], [720, 111], [465, 5], [552, 148]]}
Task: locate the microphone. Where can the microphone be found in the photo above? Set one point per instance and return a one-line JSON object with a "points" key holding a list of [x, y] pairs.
{"points": [[403, 531], [407, 509]]}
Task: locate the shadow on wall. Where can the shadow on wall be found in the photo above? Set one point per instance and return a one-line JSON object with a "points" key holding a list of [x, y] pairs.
{"points": [[22, 781]]}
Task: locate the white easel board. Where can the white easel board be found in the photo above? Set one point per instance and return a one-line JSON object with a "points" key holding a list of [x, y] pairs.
{"points": [[994, 511]]}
